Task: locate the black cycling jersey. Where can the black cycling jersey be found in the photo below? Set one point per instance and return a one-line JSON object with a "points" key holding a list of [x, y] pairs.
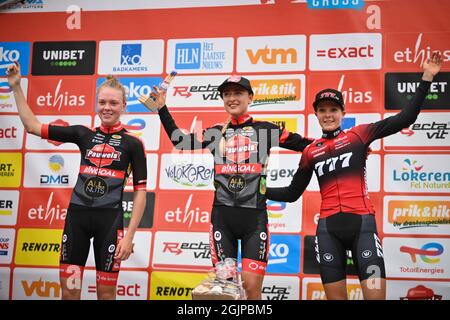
{"points": [[239, 168], [106, 154], [339, 161]]}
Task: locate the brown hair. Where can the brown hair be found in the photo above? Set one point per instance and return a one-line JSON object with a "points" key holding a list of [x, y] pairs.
{"points": [[112, 82]]}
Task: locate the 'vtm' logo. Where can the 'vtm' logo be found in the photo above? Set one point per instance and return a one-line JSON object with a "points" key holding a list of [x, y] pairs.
{"points": [[273, 56], [431, 249], [102, 155]]}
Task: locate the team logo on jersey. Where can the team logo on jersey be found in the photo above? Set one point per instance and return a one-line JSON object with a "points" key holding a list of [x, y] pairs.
{"points": [[239, 148], [102, 155], [236, 183], [95, 187]]}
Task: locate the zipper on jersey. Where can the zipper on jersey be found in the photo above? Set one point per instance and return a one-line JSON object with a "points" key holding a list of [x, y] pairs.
{"points": [[335, 174], [237, 166], [101, 158]]}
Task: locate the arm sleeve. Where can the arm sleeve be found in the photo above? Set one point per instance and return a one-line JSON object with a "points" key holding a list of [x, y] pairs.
{"points": [[299, 182], [293, 141], [286, 139], [396, 123], [63, 134], [179, 139], [139, 165]]}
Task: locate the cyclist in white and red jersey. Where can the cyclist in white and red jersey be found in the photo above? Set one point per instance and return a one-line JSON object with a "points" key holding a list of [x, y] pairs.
{"points": [[347, 219], [95, 209]]}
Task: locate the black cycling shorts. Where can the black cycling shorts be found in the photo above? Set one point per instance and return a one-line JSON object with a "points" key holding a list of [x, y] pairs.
{"points": [[228, 224], [105, 225], [347, 231]]}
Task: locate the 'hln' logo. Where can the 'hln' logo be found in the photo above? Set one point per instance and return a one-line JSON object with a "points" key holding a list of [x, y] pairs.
{"points": [[187, 55]]}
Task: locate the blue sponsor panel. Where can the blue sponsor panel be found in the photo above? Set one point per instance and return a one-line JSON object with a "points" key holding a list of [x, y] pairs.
{"points": [[15, 51], [187, 55], [135, 87], [284, 254], [200, 55], [348, 123], [131, 54]]}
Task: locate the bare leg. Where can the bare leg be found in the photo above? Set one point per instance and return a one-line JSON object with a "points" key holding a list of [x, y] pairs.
{"points": [[105, 292], [74, 293], [336, 290], [374, 289], [252, 284]]}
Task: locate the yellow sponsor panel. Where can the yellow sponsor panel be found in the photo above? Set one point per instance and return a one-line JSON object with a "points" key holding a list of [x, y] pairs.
{"points": [[315, 291], [38, 247], [290, 124], [174, 285], [276, 90], [417, 212], [10, 169]]}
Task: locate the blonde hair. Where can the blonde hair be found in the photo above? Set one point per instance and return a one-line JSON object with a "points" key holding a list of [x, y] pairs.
{"points": [[112, 82], [222, 149]]}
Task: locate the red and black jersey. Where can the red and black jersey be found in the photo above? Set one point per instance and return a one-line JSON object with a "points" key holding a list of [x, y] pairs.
{"points": [[339, 162], [106, 155], [240, 155]]}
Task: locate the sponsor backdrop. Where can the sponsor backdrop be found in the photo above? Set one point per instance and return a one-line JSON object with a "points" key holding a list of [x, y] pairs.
{"points": [[371, 50]]}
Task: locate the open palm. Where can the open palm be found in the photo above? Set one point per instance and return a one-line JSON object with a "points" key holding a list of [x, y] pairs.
{"points": [[433, 64]]}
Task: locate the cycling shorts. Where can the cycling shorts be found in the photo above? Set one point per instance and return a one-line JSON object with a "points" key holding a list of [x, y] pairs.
{"points": [[345, 231], [228, 224], [105, 226]]}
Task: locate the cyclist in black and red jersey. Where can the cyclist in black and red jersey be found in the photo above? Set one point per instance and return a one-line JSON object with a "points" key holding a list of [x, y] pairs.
{"points": [[241, 148], [347, 219], [95, 209]]}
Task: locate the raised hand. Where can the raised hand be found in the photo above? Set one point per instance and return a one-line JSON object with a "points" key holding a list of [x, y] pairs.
{"points": [[155, 101], [432, 65], [13, 74]]}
